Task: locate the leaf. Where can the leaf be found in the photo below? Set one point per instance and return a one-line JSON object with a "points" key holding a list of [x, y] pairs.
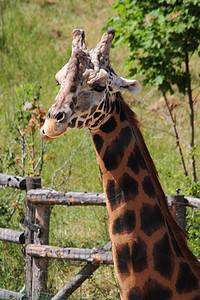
{"points": [[159, 80], [158, 35]]}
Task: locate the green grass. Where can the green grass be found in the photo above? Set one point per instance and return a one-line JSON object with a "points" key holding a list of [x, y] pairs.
{"points": [[37, 43]]}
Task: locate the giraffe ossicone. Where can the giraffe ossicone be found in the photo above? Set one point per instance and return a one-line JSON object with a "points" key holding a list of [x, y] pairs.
{"points": [[150, 254]]}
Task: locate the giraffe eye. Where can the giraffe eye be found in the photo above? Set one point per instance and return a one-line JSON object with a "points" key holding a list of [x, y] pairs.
{"points": [[60, 116], [99, 88]]}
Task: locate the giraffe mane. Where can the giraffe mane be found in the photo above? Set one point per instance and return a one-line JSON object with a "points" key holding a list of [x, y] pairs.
{"points": [[177, 231]]}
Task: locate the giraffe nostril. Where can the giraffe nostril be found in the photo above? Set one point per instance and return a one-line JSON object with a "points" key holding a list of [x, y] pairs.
{"points": [[42, 131], [60, 116]]}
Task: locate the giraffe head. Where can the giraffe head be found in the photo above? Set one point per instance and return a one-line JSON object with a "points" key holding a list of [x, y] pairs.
{"points": [[88, 85]]}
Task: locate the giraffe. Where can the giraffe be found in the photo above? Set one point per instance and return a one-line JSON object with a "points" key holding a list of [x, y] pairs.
{"points": [[150, 254]]}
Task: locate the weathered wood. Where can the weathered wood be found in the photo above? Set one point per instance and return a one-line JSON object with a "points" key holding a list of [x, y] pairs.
{"points": [[29, 218], [31, 183], [178, 208], [79, 278], [12, 236], [40, 266], [13, 181], [51, 197], [95, 255], [195, 202], [5, 294]]}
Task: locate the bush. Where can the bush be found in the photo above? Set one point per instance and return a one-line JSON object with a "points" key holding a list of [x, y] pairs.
{"points": [[193, 221]]}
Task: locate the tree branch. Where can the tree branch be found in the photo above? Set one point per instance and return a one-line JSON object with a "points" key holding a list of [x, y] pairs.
{"points": [[176, 134], [22, 150], [191, 113], [40, 160], [156, 110]]}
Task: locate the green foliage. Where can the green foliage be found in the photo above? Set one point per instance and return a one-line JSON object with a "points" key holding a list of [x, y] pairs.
{"points": [[5, 213], [22, 149], [193, 190], [160, 34], [193, 220], [192, 228], [24, 153]]}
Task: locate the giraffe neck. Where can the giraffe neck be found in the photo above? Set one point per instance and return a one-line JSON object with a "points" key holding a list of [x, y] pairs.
{"points": [[147, 258]]}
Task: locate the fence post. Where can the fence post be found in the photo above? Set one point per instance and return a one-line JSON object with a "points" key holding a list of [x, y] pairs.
{"points": [[178, 208], [36, 231], [40, 265], [31, 183]]}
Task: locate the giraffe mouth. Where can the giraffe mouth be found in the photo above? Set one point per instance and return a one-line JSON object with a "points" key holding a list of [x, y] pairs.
{"points": [[52, 129], [44, 136], [50, 137]]}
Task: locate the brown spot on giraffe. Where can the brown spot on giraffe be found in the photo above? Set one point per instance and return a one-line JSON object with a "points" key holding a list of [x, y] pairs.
{"points": [[151, 257]]}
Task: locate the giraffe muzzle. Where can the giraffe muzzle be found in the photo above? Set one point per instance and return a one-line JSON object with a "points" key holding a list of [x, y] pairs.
{"points": [[43, 135], [53, 128]]}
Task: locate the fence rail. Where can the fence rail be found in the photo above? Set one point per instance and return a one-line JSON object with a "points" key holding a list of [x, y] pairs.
{"points": [[51, 197], [194, 202], [17, 182], [5, 294], [36, 235], [12, 236], [95, 255]]}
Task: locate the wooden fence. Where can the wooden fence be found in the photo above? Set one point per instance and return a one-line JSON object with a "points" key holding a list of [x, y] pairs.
{"points": [[35, 237]]}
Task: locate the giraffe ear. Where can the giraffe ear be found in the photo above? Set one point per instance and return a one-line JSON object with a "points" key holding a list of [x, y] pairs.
{"points": [[132, 86]]}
